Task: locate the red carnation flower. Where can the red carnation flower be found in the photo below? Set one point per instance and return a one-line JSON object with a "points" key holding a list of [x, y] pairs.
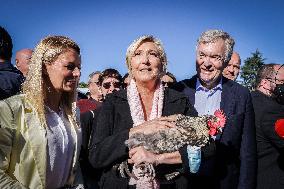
{"points": [[221, 118], [212, 131], [216, 123], [279, 127]]}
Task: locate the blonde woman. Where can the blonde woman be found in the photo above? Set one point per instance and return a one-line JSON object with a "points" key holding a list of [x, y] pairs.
{"points": [[40, 136], [138, 109]]}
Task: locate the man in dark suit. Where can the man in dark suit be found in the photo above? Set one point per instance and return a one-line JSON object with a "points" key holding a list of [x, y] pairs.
{"points": [[268, 109], [11, 78], [229, 160]]}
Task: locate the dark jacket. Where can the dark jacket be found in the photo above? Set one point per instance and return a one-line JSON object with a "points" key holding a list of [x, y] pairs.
{"points": [[90, 175], [270, 147], [11, 80], [230, 161], [112, 130]]}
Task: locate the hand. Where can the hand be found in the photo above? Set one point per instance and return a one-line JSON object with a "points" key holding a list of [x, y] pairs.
{"points": [[152, 126], [171, 118], [139, 155]]}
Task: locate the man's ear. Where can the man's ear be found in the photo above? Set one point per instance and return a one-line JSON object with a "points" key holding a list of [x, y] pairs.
{"points": [[265, 84], [262, 83]]}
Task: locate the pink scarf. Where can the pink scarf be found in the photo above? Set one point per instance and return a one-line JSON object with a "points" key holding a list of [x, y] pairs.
{"points": [[145, 174]]}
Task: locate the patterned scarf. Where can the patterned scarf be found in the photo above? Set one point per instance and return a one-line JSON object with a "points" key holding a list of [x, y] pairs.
{"points": [[145, 174]]}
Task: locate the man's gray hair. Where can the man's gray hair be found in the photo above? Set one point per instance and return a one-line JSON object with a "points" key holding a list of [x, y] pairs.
{"points": [[92, 75], [212, 36]]}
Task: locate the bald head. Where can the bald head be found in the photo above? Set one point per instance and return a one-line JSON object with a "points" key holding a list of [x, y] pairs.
{"points": [[22, 60], [233, 68], [279, 74]]}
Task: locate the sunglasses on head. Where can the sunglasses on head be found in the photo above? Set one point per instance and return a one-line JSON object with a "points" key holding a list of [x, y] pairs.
{"points": [[107, 85]]}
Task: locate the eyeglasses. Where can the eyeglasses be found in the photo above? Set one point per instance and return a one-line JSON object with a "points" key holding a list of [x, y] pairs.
{"points": [[107, 85], [167, 84]]}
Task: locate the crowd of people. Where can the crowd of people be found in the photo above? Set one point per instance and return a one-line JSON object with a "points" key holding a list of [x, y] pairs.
{"points": [[52, 136]]}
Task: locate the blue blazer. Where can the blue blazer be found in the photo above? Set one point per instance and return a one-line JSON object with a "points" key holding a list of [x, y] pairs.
{"points": [[11, 80], [230, 161]]}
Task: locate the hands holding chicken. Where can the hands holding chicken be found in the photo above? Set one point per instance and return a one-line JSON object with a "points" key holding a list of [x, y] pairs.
{"points": [[148, 141]]}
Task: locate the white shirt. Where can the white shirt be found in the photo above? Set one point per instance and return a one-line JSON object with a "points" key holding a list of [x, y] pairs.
{"points": [[61, 145], [207, 101]]}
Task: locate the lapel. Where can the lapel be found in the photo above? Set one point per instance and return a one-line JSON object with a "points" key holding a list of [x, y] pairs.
{"points": [[227, 96], [76, 133], [170, 98], [34, 132], [189, 88], [227, 100]]}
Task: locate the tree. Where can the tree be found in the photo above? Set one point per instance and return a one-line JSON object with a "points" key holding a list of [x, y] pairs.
{"points": [[83, 85], [250, 68]]}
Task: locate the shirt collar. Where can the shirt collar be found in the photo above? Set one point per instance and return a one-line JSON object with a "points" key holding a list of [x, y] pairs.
{"points": [[199, 87]]}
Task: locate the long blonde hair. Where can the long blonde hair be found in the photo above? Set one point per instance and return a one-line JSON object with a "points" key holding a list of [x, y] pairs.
{"points": [[46, 52]]}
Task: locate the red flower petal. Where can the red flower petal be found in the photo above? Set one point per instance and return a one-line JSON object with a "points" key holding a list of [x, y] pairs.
{"points": [[209, 123], [221, 118], [212, 131], [215, 124], [279, 127]]}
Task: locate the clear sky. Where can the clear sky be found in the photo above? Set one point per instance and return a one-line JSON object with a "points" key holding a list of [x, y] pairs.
{"points": [[104, 29]]}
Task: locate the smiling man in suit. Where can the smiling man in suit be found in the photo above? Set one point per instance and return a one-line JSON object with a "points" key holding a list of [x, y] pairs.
{"points": [[229, 160]]}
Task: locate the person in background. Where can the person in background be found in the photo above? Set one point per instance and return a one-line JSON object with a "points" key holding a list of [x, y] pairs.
{"points": [[40, 135], [22, 60], [232, 70], [11, 78], [168, 79], [229, 161], [268, 108], [94, 88], [138, 109], [109, 81], [88, 104]]}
